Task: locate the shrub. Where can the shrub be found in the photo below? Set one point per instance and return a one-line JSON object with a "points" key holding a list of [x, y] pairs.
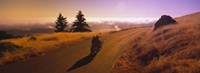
{"points": [[8, 47]]}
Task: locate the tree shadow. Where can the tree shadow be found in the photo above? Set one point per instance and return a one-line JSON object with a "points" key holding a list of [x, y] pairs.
{"points": [[84, 61]]}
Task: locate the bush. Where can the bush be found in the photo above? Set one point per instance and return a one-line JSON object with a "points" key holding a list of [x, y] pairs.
{"points": [[8, 47], [32, 38], [4, 35]]}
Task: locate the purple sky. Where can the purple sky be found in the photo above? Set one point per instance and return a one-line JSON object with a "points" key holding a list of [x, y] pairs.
{"points": [[137, 8], [96, 8]]}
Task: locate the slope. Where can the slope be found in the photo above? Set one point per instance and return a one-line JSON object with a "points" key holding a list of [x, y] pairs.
{"points": [[171, 49]]}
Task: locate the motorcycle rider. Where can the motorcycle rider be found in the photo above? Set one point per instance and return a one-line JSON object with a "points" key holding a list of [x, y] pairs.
{"points": [[96, 44]]}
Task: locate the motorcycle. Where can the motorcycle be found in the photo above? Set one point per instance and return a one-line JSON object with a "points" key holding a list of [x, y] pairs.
{"points": [[96, 48]]}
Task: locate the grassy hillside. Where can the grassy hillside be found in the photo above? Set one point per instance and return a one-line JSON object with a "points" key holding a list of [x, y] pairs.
{"points": [[22, 48], [171, 49]]}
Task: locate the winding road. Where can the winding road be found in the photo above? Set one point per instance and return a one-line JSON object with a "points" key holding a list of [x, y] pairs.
{"points": [[76, 58]]}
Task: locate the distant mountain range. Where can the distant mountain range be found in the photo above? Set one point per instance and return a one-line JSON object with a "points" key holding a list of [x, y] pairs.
{"points": [[38, 28]]}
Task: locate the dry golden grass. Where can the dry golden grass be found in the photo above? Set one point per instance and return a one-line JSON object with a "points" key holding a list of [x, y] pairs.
{"points": [[171, 49], [42, 44]]}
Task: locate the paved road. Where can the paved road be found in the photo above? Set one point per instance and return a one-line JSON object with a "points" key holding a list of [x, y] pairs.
{"points": [[76, 58]]}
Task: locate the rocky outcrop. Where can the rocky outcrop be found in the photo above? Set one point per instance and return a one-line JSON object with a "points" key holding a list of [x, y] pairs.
{"points": [[164, 20]]}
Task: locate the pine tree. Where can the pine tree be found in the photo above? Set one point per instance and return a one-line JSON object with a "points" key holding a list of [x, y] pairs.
{"points": [[79, 24], [61, 23]]}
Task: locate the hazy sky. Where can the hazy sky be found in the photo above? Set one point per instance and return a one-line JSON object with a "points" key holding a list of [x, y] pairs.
{"points": [[13, 9]]}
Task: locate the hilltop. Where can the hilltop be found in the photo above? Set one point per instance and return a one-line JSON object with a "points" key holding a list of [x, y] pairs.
{"points": [[171, 49], [189, 19]]}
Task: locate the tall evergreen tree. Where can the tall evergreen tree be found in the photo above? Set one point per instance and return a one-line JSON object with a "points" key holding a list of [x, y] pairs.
{"points": [[61, 23], [79, 24]]}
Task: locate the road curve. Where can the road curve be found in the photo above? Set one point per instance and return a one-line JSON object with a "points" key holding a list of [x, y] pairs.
{"points": [[76, 58]]}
